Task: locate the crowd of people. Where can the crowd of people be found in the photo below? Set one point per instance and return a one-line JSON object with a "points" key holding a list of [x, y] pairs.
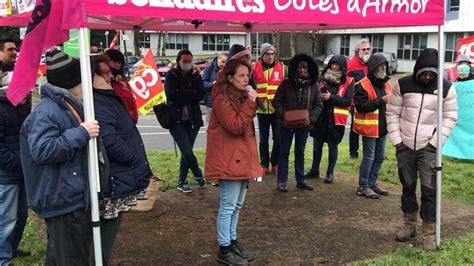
{"points": [[43, 152]]}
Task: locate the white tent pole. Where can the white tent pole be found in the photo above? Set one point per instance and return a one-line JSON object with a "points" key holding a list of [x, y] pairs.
{"points": [[439, 133], [256, 45], [248, 42], [93, 163]]}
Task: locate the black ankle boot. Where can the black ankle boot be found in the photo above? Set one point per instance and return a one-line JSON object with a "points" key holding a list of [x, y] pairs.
{"points": [[244, 254], [227, 255], [329, 179]]}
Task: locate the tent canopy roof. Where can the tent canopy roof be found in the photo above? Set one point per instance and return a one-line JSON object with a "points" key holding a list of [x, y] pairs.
{"points": [[243, 15]]}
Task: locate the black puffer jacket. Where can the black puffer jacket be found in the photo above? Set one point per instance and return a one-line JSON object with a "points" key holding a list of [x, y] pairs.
{"points": [[128, 163], [324, 129], [290, 96], [361, 98], [11, 119], [180, 94]]}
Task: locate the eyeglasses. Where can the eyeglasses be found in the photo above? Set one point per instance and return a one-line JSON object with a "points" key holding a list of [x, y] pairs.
{"points": [[365, 49]]}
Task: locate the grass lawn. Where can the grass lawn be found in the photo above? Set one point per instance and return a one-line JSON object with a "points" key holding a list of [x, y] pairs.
{"points": [[457, 184]]}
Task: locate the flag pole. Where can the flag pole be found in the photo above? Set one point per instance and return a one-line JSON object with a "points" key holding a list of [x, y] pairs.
{"points": [[93, 162], [439, 133]]}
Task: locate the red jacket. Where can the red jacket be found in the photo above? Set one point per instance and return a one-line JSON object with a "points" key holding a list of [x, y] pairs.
{"points": [[231, 152], [356, 68], [124, 91]]}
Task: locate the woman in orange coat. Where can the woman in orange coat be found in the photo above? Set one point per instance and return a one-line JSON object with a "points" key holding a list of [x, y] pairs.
{"points": [[231, 154]]}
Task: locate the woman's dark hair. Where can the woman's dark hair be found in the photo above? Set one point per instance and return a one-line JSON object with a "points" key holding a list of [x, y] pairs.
{"points": [[181, 53], [233, 94], [116, 55]]}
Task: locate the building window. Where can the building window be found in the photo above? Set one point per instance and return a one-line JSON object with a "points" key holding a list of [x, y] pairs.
{"points": [[177, 41], [451, 45], [410, 45], [262, 38], [454, 5], [215, 42], [144, 40], [345, 44], [376, 40]]}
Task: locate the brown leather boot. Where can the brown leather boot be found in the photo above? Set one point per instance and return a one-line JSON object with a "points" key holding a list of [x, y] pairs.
{"points": [[408, 229], [429, 237]]}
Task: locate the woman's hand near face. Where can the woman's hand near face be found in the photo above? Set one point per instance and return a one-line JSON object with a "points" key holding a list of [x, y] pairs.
{"points": [[253, 95]]}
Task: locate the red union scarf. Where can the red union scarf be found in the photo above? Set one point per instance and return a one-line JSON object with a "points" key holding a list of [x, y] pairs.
{"points": [[43, 32]]}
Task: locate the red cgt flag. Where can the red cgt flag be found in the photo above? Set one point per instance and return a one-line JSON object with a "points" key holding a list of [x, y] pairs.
{"points": [[146, 85]]}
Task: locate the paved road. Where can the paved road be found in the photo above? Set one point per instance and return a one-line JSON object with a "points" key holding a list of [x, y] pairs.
{"points": [[157, 138]]}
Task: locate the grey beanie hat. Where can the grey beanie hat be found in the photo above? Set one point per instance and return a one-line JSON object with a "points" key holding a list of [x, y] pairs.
{"points": [[265, 47], [463, 58]]}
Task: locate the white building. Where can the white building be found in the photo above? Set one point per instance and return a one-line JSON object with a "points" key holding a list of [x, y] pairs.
{"points": [[199, 43], [407, 42]]}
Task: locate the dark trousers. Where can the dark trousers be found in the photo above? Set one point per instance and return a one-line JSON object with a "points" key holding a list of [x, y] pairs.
{"points": [[22, 216], [108, 232], [410, 164], [318, 154], [69, 238], [353, 139], [301, 135], [185, 136], [264, 123]]}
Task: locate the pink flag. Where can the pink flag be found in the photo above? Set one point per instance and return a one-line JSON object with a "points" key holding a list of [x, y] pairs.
{"points": [[48, 26]]}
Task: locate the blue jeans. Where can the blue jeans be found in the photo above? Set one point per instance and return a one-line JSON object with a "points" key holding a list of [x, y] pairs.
{"points": [[13, 215], [301, 135], [318, 154], [185, 136], [231, 200], [373, 156], [264, 123]]}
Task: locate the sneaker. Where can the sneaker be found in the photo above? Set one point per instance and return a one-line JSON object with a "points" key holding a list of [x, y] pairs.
{"points": [[275, 169], [283, 187], [216, 184], [304, 186], [367, 192], [311, 174], [184, 187], [380, 190], [329, 179], [200, 180], [264, 170], [142, 195]]}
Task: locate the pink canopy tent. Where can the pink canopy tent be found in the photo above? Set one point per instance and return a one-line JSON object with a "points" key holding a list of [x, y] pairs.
{"points": [[50, 21], [232, 15]]}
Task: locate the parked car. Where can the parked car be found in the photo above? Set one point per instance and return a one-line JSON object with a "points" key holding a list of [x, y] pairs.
{"points": [[160, 62], [392, 62], [200, 62], [328, 58]]}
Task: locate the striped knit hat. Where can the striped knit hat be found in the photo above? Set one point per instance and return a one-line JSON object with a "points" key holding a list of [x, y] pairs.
{"points": [[62, 70]]}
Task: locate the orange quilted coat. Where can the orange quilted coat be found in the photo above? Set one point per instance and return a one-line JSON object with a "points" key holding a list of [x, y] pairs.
{"points": [[231, 152]]}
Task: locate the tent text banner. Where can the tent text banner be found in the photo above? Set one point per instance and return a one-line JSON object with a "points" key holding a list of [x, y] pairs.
{"points": [[242, 15]]}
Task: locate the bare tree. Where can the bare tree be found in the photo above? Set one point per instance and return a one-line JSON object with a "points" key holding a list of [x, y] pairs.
{"points": [[276, 40], [318, 40], [161, 51], [136, 36], [293, 43]]}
